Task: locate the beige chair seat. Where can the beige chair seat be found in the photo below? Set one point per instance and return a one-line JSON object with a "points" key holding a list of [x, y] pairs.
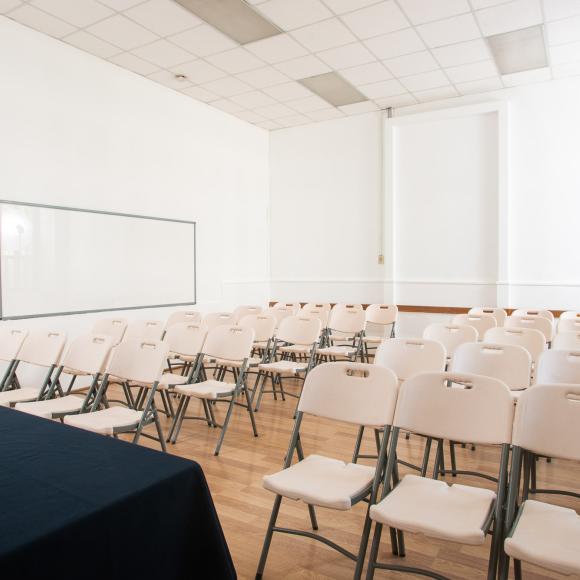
{"points": [[374, 339], [346, 351], [210, 389], [284, 367], [252, 362], [296, 349], [48, 409], [106, 421], [321, 481], [456, 513], [9, 398], [168, 380], [548, 536]]}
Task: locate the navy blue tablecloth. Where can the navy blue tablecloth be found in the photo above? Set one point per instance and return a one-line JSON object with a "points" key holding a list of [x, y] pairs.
{"points": [[76, 505]]}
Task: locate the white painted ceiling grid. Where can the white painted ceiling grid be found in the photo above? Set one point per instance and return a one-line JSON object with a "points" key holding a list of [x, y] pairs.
{"points": [[395, 52]]}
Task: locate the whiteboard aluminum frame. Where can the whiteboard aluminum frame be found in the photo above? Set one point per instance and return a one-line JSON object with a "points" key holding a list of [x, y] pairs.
{"points": [[111, 213]]}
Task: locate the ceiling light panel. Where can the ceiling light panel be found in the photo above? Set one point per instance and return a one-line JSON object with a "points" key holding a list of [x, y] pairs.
{"points": [[519, 50], [334, 89]]}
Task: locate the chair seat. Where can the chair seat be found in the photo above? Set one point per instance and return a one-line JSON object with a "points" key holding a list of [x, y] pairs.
{"points": [[374, 339], [170, 379], [252, 362], [346, 351], [296, 349], [106, 421], [548, 536], [341, 337], [211, 389], [321, 481], [52, 407], [456, 513], [9, 398], [284, 367]]}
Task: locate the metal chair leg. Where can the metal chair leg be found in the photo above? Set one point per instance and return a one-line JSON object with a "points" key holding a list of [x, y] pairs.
{"points": [[268, 538]]}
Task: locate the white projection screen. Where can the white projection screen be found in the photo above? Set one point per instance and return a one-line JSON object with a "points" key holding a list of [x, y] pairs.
{"points": [[57, 260]]}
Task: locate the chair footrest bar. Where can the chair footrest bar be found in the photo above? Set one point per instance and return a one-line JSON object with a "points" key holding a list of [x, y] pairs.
{"points": [[555, 492], [410, 570], [464, 472], [407, 464], [322, 539]]}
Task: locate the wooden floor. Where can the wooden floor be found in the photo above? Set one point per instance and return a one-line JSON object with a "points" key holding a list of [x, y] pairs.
{"points": [[244, 506]]}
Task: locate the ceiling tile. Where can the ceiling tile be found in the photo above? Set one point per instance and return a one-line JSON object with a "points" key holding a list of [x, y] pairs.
{"points": [[449, 31], [472, 71], [308, 104], [276, 48], [134, 63], [122, 32], [275, 111], [342, 6], [395, 44], [163, 53], [411, 64], [479, 86], [510, 16], [347, 56], [92, 44], [199, 71], [268, 125], [120, 5], [478, 4], [565, 53], [325, 114], [436, 94], [324, 35], [227, 87], [404, 100], [376, 19], [203, 40], [366, 73], [168, 79], [249, 116], [227, 106], [293, 120], [7, 5], [563, 31], [424, 81], [288, 91], [358, 108], [303, 67], [263, 77], [253, 99], [236, 60], [556, 9], [566, 70], [79, 13], [41, 21], [526, 77], [462, 53], [383, 89], [419, 11], [164, 17], [294, 14], [200, 94]]}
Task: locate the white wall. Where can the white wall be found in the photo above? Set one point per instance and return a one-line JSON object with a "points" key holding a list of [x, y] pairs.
{"points": [[78, 131]]}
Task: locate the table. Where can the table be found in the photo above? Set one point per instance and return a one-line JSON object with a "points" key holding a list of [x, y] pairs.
{"points": [[76, 505]]}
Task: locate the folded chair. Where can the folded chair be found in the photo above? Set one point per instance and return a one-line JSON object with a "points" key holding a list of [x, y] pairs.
{"points": [[536, 322], [179, 316], [566, 341], [441, 406], [380, 324], [113, 327], [531, 339], [86, 356], [498, 313], [481, 322], [450, 336], [227, 347], [547, 423], [355, 393], [137, 363], [11, 340], [345, 334], [32, 372]]}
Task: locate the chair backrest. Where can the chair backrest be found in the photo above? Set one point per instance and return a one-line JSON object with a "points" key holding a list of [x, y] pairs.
{"points": [[113, 327], [147, 330], [279, 314], [559, 366], [316, 306], [481, 322], [263, 324], [381, 313], [450, 335], [229, 342], [566, 341], [535, 321], [138, 360], [303, 330], [568, 314], [531, 339], [547, 314], [191, 316], [242, 311], [547, 421], [322, 315], [347, 306], [186, 338], [458, 407], [358, 393], [293, 306], [568, 325], [214, 319], [498, 313], [509, 363], [11, 340], [408, 356], [42, 347], [347, 320], [88, 354]]}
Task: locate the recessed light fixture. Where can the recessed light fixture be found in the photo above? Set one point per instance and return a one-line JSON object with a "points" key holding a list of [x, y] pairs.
{"points": [[180, 77], [334, 89], [519, 50], [234, 18]]}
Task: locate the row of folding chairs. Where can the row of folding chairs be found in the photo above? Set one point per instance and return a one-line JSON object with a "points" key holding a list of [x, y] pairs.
{"points": [[440, 406]]}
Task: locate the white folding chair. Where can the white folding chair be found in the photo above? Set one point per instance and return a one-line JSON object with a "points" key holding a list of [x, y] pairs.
{"points": [[345, 334], [295, 307], [229, 347], [569, 325], [179, 316], [446, 406], [86, 356], [547, 423], [547, 314], [323, 316], [559, 366], [11, 340], [264, 325], [135, 362], [280, 313], [32, 372], [531, 339], [113, 327], [535, 321], [380, 324], [566, 341], [355, 393], [481, 322], [568, 314], [215, 319], [145, 330], [450, 335], [242, 311], [498, 313]]}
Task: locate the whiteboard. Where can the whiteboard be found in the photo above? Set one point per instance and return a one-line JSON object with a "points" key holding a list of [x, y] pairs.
{"points": [[58, 260]]}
